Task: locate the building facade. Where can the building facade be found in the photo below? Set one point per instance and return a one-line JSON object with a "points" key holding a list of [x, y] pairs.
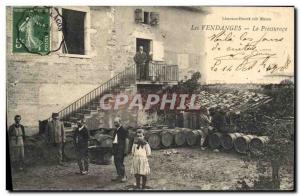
{"points": [[97, 44]]}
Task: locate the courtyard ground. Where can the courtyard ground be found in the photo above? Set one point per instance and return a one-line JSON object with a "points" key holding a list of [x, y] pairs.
{"points": [[171, 169]]}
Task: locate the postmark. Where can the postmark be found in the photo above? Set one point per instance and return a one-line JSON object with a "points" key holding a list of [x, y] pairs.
{"points": [[32, 29]]}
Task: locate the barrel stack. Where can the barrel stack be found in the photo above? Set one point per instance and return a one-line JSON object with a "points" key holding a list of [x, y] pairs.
{"points": [[180, 137], [241, 144], [167, 138], [227, 140], [154, 138], [193, 137], [258, 143], [214, 140]]}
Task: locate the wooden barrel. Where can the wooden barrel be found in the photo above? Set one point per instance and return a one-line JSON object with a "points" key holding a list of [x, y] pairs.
{"points": [[241, 144], [167, 138], [258, 143], [228, 139], [154, 139], [104, 141], [214, 140], [179, 137], [193, 137]]}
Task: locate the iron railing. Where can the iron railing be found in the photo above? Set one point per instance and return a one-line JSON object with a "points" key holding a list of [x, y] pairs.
{"points": [[159, 71]]}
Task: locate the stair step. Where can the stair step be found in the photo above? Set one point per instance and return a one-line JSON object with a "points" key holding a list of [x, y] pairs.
{"points": [[93, 107], [86, 111], [69, 129], [74, 119], [79, 115], [67, 124]]}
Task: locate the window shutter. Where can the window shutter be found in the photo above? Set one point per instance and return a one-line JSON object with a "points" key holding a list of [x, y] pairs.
{"points": [[158, 51], [138, 15], [154, 18]]}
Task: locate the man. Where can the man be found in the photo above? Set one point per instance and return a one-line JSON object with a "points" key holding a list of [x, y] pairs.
{"points": [[16, 135], [141, 60], [56, 136], [120, 149], [81, 140]]}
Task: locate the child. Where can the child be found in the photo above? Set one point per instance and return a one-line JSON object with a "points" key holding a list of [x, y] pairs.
{"points": [[140, 166]]}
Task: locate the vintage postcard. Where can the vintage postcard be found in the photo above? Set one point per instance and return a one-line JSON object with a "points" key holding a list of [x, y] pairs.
{"points": [[150, 98]]}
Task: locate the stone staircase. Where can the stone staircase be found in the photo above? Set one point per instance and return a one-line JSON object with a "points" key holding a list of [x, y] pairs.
{"points": [[88, 106]]}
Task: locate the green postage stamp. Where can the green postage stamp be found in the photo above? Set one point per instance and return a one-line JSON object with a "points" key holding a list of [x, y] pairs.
{"points": [[31, 30]]}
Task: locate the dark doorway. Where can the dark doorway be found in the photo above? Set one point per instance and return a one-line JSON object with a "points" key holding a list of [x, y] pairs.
{"points": [[146, 43]]}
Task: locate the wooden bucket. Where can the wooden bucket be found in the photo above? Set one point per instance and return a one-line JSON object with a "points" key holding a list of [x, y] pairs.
{"points": [[241, 144], [214, 140], [100, 156], [193, 137], [228, 139], [69, 150], [258, 143], [154, 139], [104, 141], [167, 138], [180, 137]]}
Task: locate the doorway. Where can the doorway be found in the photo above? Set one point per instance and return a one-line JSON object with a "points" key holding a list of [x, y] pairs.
{"points": [[146, 43]]}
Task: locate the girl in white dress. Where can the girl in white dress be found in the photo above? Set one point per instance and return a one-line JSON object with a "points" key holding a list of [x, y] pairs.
{"points": [[140, 166]]}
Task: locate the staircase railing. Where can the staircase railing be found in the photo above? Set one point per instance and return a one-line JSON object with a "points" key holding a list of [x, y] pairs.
{"points": [[160, 71], [127, 77]]}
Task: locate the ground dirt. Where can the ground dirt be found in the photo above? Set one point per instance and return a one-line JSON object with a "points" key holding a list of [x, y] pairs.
{"points": [[180, 169]]}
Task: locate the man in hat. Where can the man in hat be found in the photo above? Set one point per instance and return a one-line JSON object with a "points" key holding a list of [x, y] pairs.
{"points": [[16, 135], [56, 136], [120, 149], [81, 140], [141, 59]]}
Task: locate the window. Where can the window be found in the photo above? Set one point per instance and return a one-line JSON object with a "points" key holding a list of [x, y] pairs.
{"points": [[74, 31], [146, 18], [150, 18]]}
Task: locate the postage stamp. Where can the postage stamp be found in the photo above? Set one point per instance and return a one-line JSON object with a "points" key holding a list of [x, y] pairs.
{"points": [[31, 30]]}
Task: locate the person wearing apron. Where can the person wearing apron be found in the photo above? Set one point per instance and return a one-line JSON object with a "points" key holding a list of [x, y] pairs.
{"points": [[16, 134]]}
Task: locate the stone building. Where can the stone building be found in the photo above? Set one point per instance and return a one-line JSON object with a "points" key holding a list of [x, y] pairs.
{"points": [[100, 44]]}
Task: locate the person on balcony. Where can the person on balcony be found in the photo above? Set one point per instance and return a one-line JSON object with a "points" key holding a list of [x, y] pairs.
{"points": [[141, 60], [56, 136], [81, 140], [16, 134], [120, 149]]}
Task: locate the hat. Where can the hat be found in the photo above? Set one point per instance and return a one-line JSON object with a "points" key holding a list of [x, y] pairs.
{"points": [[54, 115]]}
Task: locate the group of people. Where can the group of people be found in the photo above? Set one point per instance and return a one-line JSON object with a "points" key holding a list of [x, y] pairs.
{"points": [[56, 137]]}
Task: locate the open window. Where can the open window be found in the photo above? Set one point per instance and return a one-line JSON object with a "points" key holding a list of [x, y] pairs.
{"points": [[146, 17], [74, 31]]}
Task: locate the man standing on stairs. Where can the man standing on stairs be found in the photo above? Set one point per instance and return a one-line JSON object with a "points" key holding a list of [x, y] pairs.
{"points": [[141, 59], [81, 140], [120, 149], [56, 136]]}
